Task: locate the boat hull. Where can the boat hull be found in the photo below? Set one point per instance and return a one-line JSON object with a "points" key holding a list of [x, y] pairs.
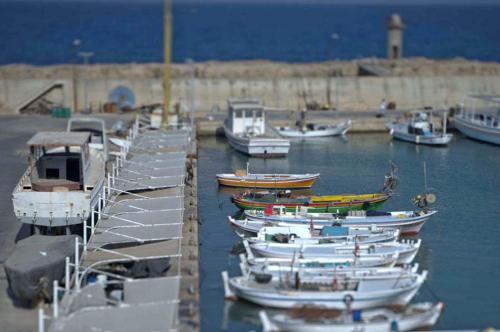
{"points": [[373, 203], [340, 129], [477, 131], [406, 225], [304, 183], [437, 140], [290, 298], [426, 316], [258, 147]]}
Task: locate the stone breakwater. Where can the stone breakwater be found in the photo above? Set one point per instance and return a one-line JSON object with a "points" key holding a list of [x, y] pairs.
{"points": [[409, 83]]}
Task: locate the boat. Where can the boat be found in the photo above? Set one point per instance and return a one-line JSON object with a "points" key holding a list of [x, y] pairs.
{"points": [[278, 267], [349, 260], [420, 129], [312, 130], [323, 291], [482, 121], [331, 203], [417, 316], [245, 179], [245, 129], [329, 234], [407, 250], [408, 222], [64, 177]]}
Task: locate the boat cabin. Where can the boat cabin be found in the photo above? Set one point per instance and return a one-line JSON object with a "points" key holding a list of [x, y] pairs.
{"points": [[482, 109], [59, 161], [97, 130], [421, 124], [246, 117]]}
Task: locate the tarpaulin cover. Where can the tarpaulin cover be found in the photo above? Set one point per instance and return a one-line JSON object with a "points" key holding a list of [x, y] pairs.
{"points": [[35, 263]]}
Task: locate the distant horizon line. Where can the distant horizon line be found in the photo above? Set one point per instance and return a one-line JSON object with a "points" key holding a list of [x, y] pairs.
{"points": [[291, 2]]}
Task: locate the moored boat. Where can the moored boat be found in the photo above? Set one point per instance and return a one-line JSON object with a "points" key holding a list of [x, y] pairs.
{"points": [[482, 121], [245, 130], [416, 316], [245, 179], [63, 180], [330, 203], [297, 291], [407, 250], [408, 222], [312, 130], [328, 234], [420, 129]]}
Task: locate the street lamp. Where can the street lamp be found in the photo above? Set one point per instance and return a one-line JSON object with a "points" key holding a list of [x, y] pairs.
{"points": [[76, 46], [191, 62], [86, 59], [334, 37]]}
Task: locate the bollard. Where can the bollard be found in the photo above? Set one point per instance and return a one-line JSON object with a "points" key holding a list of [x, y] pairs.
{"points": [[66, 275], [41, 322], [84, 236], [55, 299], [77, 265]]}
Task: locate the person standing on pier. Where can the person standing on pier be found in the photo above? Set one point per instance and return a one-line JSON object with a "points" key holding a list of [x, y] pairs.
{"points": [[383, 106]]}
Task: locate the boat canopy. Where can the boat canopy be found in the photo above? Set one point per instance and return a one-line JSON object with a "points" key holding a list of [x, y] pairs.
{"points": [[488, 98], [59, 138]]}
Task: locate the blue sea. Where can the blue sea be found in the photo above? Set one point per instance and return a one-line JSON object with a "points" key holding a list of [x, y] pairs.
{"points": [[41, 32]]}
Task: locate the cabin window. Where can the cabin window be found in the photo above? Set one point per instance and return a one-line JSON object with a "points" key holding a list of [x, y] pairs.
{"points": [[238, 114], [258, 113], [52, 173]]}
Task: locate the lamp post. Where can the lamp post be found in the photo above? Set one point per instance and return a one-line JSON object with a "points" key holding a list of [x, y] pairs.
{"points": [[76, 47], [86, 59], [334, 37], [193, 90]]}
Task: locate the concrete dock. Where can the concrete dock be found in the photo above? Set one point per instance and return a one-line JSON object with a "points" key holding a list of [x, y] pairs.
{"points": [[143, 227]]}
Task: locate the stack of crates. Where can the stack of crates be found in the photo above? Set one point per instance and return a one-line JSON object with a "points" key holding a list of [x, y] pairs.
{"points": [[61, 112]]}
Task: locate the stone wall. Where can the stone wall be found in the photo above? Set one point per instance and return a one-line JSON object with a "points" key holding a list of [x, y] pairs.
{"points": [[287, 89]]}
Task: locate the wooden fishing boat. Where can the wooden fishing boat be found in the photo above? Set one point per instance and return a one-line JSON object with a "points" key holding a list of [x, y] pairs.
{"points": [[331, 203], [328, 234], [408, 222], [407, 250], [418, 316], [420, 129], [312, 130], [323, 291], [279, 268], [245, 179]]}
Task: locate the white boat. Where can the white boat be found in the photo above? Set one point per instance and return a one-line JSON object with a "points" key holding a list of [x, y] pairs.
{"points": [[366, 266], [420, 129], [407, 250], [245, 129], [312, 130], [480, 121], [324, 292], [328, 234], [63, 180], [349, 259], [408, 222], [418, 316]]}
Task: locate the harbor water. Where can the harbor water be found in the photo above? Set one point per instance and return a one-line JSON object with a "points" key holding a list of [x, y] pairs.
{"points": [[460, 244], [123, 31]]}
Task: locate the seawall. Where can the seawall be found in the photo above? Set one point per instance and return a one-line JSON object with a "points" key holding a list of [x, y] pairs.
{"points": [[409, 84]]}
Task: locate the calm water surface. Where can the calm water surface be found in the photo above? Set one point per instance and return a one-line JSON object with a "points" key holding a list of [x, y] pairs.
{"points": [[461, 244]]}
